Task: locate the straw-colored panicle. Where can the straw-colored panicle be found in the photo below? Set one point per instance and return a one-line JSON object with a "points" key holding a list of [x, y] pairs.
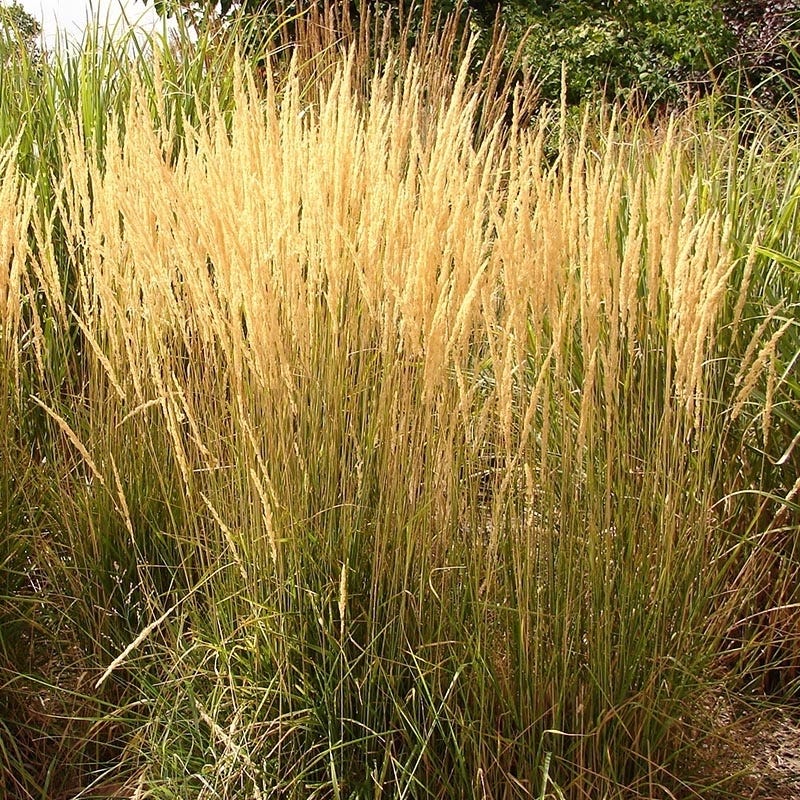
{"points": [[756, 341], [45, 267], [769, 399], [662, 201], [16, 201], [630, 269], [744, 286], [716, 268], [750, 374], [697, 285]]}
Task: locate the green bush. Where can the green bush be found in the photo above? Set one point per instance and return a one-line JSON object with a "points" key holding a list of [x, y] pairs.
{"points": [[652, 47]]}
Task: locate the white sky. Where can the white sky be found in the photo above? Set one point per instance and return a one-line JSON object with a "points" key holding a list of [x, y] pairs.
{"points": [[70, 16]]}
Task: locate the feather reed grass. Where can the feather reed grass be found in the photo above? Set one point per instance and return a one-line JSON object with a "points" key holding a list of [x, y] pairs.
{"points": [[386, 453]]}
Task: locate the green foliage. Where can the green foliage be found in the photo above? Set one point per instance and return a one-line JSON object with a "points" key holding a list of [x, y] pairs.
{"points": [[657, 50], [15, 16], [649, 46], [767, 34], [18, 29]]}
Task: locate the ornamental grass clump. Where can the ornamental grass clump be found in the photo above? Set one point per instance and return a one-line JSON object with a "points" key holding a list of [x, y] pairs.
{"points": [[384, 458]]}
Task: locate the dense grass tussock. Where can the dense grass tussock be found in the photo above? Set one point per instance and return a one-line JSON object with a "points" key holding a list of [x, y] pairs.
{"points": [[358, 449]]}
